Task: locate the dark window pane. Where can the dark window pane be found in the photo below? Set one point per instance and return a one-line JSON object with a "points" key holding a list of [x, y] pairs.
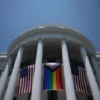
{"points": [[90, 97], [52, 95], [1, 72], [15, 98]]}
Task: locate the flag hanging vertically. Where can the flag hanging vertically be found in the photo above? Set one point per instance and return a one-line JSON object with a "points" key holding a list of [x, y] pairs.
{"points": [[25, 81], [52, 76], [80, 80]]}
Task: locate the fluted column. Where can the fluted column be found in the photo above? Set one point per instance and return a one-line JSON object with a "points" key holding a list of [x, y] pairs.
{"points": [[69, 84], [13, 78], [96, 68], [91, 78], [36, 84], [4, 77]]}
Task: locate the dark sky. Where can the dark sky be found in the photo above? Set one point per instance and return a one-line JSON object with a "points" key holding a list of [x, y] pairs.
{"points": [[17, 16]]}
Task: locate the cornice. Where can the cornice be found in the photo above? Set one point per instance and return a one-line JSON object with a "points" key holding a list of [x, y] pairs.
{"points": [[3, 56], [46, 29], [98, 55]]}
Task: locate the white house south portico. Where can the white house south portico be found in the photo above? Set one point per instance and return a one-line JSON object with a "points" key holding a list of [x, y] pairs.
{"points": [[50, 42]]}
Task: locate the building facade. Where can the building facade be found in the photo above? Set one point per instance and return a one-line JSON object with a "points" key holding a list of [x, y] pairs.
{"points": [[50, 44]]}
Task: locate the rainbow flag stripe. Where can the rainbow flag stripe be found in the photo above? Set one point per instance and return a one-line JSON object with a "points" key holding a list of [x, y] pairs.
{"points": [[52, 80]]}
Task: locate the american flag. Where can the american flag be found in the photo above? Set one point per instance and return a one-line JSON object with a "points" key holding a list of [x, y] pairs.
{"points": [[25, 81], [80, 79]]}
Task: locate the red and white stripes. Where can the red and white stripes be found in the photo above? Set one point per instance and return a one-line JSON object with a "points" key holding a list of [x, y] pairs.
{"points": [[25, 83], [80, 81]]}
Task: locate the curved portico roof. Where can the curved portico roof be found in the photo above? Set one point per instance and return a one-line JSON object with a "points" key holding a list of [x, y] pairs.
{"points": [[42, 30]]}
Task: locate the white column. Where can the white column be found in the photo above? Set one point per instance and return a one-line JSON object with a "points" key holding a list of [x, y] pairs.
{"points": [[4, 77], [96, 68], [36, 84], [91, 78], [69, 84], [12, 82]]}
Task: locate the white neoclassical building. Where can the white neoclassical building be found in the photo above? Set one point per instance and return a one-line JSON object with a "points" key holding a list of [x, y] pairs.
{"points": [[50, 43]]}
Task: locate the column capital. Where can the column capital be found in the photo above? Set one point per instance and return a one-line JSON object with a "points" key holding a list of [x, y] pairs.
{"points": [[21, 46], [83, 49], [82, 46], [63, 40], [39, 39], [10, 57]]}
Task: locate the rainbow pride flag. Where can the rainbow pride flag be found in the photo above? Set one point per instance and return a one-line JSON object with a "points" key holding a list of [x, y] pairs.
{"points": [[52, 79]]}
